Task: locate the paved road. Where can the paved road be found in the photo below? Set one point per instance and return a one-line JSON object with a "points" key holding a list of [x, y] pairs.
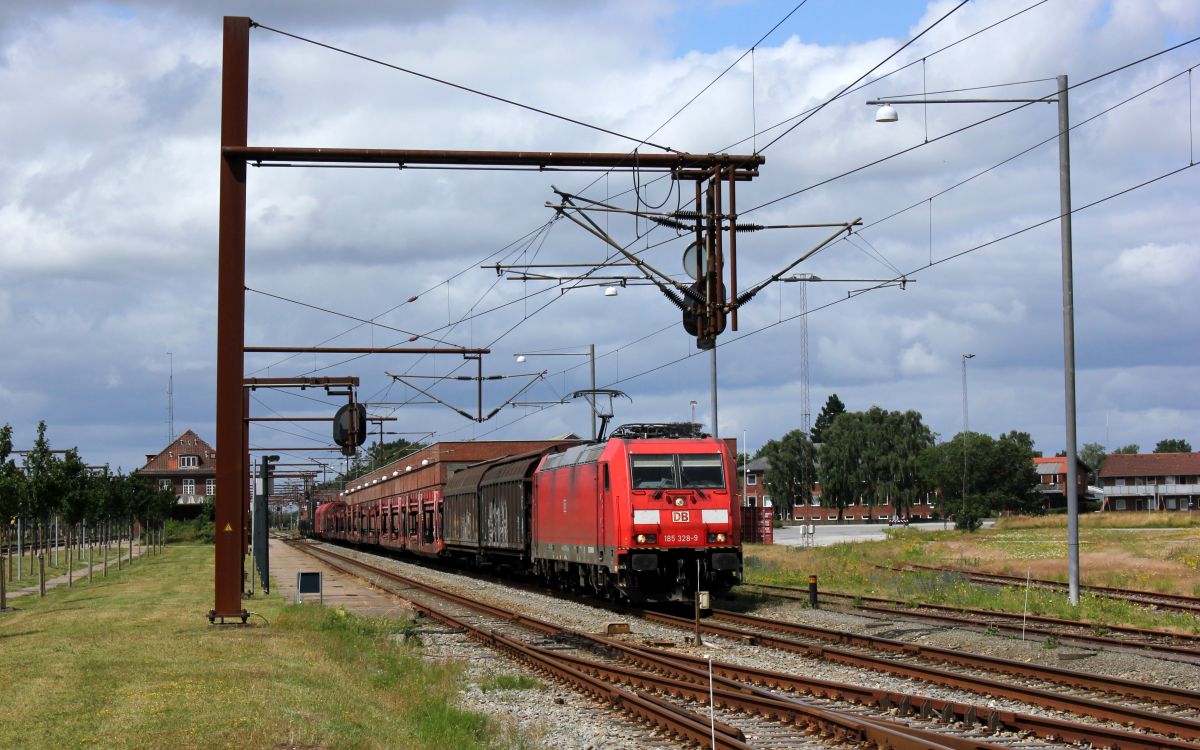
{"points": [[848, 532]]}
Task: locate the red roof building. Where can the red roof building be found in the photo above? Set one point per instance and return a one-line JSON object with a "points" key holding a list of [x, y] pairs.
{"points": [[1052, 480], [187, 467], [1151, 481]]}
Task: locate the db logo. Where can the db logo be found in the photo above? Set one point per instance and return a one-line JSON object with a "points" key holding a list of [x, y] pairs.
{"points": [[680, 516]]}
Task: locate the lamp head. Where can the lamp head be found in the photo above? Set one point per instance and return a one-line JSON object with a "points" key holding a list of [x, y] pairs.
{"points": [[886, 113], [610, 291], [520, 358]]}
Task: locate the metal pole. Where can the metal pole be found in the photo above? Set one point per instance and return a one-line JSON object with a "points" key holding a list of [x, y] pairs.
{"points": [[1068, 293], [592, 359], [966, 430], [713, 357], [231, 307]]}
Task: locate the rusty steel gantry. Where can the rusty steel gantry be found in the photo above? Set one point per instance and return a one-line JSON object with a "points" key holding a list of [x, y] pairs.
{"points": [[708, 171]]}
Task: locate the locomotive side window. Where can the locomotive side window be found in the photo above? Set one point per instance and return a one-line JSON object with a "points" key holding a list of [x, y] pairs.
{"points": [[653, 472], [701, 471]]}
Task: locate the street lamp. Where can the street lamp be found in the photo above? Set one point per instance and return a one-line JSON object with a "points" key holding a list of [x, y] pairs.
{"points": [[887, 113], [590, 354], [693, 404]]}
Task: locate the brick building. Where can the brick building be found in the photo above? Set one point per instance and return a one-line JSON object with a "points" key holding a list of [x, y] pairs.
{"points": [[1151, 481], [1052, 480], [187, 467]]}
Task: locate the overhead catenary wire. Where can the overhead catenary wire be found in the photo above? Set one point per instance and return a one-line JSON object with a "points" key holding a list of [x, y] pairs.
{"points": [[962, 253], [667, 328], [878, 65], [969, 126], [760, 40], [461, 87]]}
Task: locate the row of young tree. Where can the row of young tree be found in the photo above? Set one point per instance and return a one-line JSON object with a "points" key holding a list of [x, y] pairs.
{"points": [[880, 457], [51, 492]]}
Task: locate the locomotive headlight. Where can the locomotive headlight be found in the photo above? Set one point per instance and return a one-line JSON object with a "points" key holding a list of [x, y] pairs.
{"points": [[646, 538], [680, 502], [641, 538], [717, 538]]}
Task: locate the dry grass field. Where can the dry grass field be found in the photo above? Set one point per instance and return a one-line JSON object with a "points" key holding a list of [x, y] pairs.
{"points": [[1163, 558]]}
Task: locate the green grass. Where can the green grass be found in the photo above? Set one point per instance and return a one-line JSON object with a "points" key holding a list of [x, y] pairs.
{"points": [[131, 661], [1163, 559], [29, 570]]}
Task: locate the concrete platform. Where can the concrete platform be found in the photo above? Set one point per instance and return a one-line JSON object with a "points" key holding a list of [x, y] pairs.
{"points": [[341, 590]]}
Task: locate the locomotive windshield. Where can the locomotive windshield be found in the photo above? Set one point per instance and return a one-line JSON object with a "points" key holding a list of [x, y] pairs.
{"points": [[672, 471]]}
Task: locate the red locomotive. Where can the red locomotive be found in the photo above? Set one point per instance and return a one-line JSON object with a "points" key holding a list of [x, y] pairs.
{"points": [[648, 515]]}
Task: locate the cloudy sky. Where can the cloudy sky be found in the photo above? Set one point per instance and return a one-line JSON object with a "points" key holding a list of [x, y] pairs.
{"points": [[109, 114]]}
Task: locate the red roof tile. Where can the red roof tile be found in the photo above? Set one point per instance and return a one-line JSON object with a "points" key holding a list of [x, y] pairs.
{"points": [[1150, 464], [187, 444]]}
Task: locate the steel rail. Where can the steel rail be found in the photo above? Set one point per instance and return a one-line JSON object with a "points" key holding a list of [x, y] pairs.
{"points": [[1069, 677], [957, 616], [874, 731], [1176, 602], [1163, 723], [737, 695], [673, 719], [906, 703]]}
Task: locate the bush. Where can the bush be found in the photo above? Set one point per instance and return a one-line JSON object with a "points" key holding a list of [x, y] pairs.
{"points": [[196, 531]]}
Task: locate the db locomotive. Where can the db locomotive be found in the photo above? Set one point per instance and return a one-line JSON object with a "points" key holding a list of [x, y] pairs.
{"points": [[649, 515]]}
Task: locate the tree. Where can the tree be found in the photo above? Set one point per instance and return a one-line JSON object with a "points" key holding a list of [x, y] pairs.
{"points": [[378, 454], [1173, 445], [10, 480], [791, 474], [1093, 454], [11, 492], [44, 483], [76, 498], [1000, 476], [873, 456], [1128, 450], [829, 412]]}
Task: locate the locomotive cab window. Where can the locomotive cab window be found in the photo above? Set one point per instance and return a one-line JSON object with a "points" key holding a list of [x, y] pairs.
{"points": [[687, 471], [701, 471], [653, 472]]}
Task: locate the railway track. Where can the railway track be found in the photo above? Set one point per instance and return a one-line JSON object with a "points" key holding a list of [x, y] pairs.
{"points": [[1171, 712], [1158, 642], [757, 708], [1173, 602]]}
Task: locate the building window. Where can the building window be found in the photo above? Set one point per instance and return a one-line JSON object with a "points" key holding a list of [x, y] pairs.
{"points": [[210, 487], [751, 480], [189, 462], [1120, 503], [189, 486], [164, 484]]}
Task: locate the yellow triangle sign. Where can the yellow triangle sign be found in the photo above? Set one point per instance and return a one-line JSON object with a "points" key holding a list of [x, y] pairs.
{"points": [[228, 527]]}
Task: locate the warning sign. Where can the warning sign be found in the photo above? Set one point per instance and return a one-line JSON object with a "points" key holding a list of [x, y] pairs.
{"points": [[228, 526]]}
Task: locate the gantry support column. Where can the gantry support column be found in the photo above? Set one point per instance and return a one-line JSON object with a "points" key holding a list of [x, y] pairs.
{"points": [[231, 309]]}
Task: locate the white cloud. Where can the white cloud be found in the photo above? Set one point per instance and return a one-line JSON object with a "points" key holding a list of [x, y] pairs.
{"points": [[108, 215], [1157, 267], [918, 360]]}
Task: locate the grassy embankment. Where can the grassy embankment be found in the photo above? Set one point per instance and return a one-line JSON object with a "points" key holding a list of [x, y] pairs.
{"points": [[1163, 555], [130, 661]]}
